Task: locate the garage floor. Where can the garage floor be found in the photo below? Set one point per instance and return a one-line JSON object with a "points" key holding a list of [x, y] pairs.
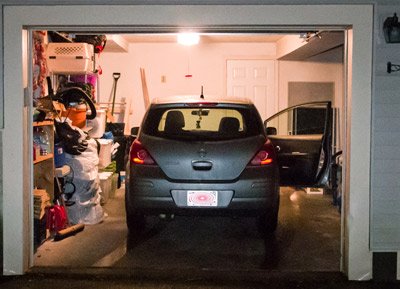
{"points": [[307, 239]]}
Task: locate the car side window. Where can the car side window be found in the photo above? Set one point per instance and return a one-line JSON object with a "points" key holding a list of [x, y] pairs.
{"points": [[302, 120]]}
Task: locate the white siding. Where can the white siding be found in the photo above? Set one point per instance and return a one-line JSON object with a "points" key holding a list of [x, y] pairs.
{"points": [[385, 161]]}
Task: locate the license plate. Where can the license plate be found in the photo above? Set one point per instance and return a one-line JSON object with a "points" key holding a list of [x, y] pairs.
{"points": [[202, 198]]}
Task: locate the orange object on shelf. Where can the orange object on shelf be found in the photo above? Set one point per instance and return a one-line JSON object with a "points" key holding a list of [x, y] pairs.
{"points": [[76, 115]]}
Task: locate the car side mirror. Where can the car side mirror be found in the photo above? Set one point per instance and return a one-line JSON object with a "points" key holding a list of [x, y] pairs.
{"points": [[271, 130], [135, 131]]}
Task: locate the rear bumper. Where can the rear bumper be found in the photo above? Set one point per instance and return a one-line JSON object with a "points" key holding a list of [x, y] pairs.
{"points": [[149, 191]]}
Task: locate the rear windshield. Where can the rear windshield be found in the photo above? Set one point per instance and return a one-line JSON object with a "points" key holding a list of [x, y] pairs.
{"points": [[210, 123]]}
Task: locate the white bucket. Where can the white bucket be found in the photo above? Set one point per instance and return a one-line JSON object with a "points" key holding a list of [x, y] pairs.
{"points": [[98, 124], [105, 152], [105, 185]]}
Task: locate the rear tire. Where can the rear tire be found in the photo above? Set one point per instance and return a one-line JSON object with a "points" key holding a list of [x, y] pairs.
{"points": [[135, 222], [268, 222]]}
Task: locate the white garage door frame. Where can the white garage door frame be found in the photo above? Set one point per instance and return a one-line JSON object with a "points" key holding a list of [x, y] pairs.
{"points": [[357, 258]]}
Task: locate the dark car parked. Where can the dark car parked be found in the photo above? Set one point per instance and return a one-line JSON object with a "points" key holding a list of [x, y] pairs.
{"points": [[202, 156], [215, 156]]}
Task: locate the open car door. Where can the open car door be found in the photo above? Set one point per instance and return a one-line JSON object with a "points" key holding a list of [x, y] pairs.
{"points": [[302, 136]]}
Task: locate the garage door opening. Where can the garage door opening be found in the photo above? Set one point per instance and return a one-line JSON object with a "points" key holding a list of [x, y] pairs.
{"points": [[135, 68], [356, 20]]}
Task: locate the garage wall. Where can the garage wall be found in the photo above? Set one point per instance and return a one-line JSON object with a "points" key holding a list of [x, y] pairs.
{"points": [[121, 63], [301, 71], [385, 168], [166, 65], [207, 65]]}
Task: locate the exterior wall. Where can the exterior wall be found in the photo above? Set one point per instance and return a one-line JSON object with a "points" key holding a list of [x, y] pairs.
{"points": [[1, 150], [385, 165], [1, 202]]}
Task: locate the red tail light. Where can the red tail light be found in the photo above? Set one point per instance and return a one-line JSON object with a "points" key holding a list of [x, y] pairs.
{"points": [[265, 156], [139, 155]]}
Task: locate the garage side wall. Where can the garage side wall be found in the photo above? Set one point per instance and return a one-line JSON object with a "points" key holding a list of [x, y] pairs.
{"points": [[310, 72]]}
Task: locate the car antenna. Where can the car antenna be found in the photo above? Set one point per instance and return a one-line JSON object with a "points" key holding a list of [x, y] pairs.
{"points": [[202, 95]]}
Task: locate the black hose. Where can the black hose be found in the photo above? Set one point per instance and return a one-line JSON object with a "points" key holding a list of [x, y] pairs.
{"points": [[76, 94]]}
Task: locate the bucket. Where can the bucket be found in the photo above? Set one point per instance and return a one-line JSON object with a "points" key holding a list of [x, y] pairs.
{"points": [[77, 115], [105, 152], [105, 185], [98, 124]]}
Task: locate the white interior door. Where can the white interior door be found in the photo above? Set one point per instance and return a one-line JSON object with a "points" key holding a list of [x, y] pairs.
{"points": [[253, 79]]}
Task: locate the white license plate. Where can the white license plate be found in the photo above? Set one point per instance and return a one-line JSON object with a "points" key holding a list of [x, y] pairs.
{"points": [[202, 198]]}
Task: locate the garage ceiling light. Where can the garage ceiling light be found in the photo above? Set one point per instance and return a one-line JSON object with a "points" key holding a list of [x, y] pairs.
{"points": [[188, 39]]}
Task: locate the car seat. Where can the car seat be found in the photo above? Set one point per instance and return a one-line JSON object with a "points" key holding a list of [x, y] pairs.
{"points": [[174, 122], [229, 126]]}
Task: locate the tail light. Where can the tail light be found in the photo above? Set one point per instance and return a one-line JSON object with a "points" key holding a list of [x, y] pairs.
{"points": [[265, 156], [139, 155]]}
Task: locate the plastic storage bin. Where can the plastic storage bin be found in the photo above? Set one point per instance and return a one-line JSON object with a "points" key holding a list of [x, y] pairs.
{"points": [[70, 58]]}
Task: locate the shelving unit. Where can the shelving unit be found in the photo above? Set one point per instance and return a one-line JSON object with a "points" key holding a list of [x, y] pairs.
{"points": [[43, 158], [43, 181], [44, 164]]}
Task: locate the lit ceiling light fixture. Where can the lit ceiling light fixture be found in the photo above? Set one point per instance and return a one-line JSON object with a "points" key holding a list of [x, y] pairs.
{"points": [[188, 38]]}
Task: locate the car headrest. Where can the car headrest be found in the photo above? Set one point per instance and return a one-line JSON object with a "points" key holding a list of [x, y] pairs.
{"points": [[174, 122], [229, 125]]}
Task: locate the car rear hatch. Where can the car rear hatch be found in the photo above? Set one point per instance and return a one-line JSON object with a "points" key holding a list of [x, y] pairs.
{"points": [[222, 160], [212, 142]]}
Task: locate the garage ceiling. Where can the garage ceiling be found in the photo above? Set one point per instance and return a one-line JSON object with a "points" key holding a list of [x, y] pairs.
{"points": [[205, 38], [323, 42], [120, 42], [317, 44]]}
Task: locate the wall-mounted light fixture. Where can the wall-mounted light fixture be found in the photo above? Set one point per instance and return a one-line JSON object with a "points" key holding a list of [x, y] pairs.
{"points": [[391, 29], [392, 67], [188, 39]]}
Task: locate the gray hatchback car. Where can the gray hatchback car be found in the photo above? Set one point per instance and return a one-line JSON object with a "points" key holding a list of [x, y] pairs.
{"points": [[216, 156], [202, 156]]}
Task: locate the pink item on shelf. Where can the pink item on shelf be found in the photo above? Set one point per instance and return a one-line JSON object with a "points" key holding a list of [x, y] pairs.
{"points": [[84, 78]]}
